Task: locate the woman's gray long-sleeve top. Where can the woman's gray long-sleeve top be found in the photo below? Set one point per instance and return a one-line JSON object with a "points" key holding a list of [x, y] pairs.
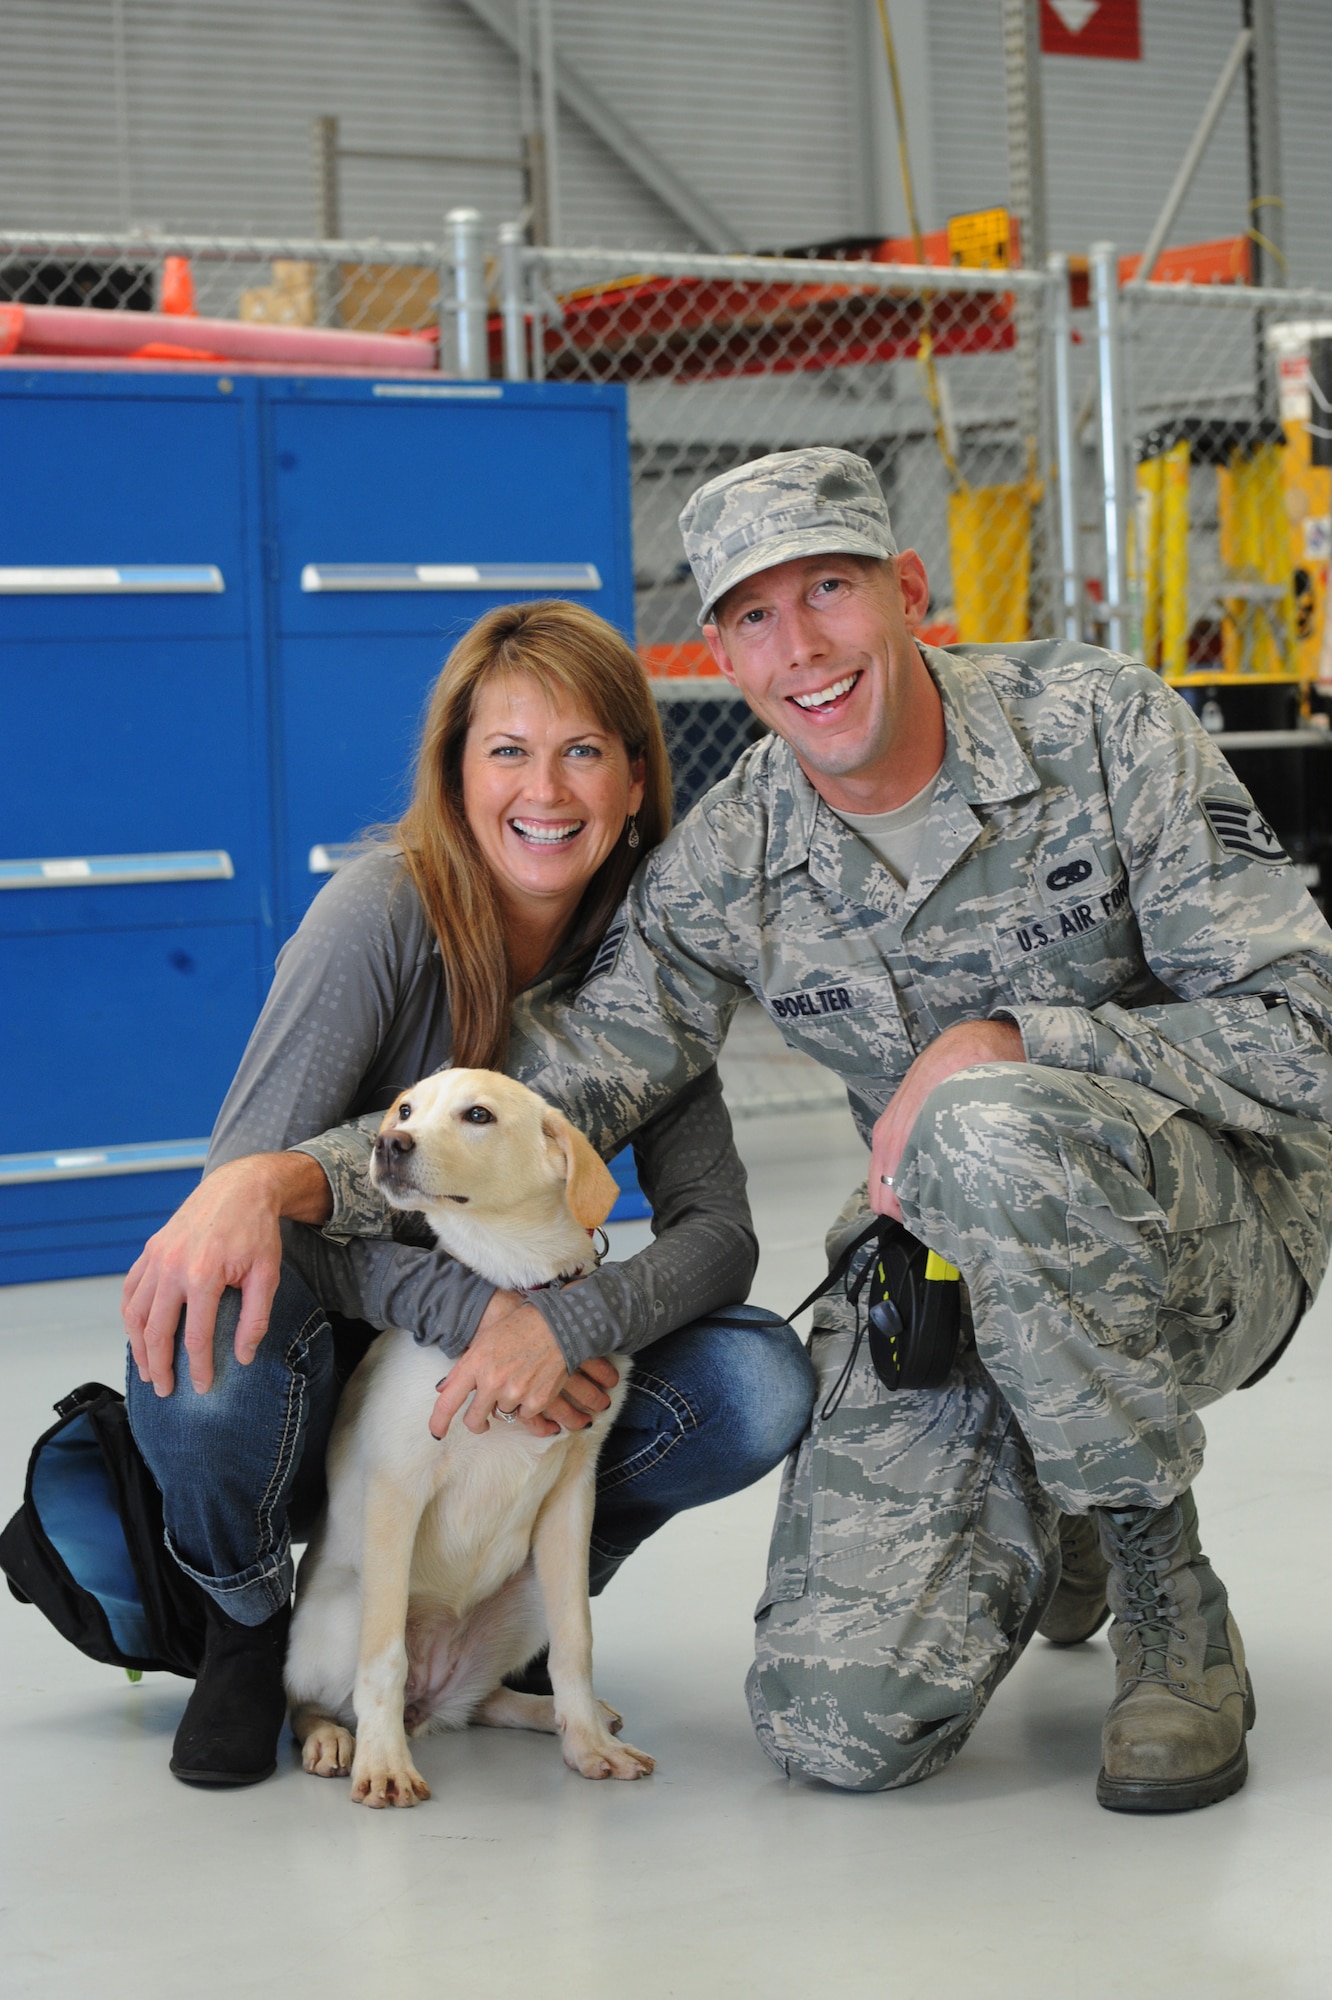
{"points": [[358, 1012]]}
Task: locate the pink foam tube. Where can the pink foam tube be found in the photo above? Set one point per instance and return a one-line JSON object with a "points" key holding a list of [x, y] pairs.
{"points": [[89, 330]]}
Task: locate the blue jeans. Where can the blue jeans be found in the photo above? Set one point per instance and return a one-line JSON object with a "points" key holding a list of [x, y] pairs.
{"points": [[710, 1409]]}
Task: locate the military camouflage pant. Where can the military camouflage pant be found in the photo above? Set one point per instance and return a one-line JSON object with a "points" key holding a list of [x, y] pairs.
{"points": [[1121, 1273]]}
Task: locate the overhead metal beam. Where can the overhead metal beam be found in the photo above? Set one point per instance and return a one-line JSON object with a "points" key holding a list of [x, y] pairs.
{"points": [[1189, 164], [698, 215]]}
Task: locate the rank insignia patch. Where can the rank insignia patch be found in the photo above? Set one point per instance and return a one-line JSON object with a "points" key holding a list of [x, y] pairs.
{"points": [[608, 951], [1241, 829]]}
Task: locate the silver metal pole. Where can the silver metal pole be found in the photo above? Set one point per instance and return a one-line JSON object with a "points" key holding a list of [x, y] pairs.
{"points": [[526, 94], [328, 208], [1026, 182], [1188, 166], [1066, 446], [462, 235], [120, 67], [1114, 499], [1267, 230], [1026, 126], [513, 303], [1267, 207], [328, 214], [533, 148], [550, 148]]}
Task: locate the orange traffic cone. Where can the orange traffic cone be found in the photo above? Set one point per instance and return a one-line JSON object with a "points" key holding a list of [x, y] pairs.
{"points": [[177, 288]]}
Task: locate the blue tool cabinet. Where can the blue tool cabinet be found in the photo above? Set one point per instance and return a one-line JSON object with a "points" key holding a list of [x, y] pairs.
{"points": [[223, 599]]}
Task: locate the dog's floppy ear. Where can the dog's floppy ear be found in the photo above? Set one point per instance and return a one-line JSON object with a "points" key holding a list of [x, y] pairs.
{"points": [[589, 1183]]}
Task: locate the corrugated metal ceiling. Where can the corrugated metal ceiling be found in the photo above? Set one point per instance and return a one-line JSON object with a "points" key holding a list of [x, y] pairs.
{"points": [[196, 114]]}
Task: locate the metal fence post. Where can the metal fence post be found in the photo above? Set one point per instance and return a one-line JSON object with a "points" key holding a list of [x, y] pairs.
{"points": [[1066, 446], [328, 214], [463, 286], [1026, 177], [513, 301], [1114, 496]]}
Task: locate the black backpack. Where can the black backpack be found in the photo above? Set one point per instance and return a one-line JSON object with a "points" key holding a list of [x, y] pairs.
{"points": [[88, 1546]]}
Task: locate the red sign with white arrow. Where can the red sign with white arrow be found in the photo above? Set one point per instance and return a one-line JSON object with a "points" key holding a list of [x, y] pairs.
{"points": [[1108, 28]]}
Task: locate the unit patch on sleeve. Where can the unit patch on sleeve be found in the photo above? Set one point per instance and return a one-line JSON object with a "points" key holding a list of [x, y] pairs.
{"points": [[1241, 829]]}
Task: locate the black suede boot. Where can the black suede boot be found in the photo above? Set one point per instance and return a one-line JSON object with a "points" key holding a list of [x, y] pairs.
{"points": [[229, 1732]]}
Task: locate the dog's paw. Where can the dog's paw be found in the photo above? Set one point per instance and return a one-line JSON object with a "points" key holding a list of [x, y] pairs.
{"points": [[613, 1719], [603, 1757], [328, 1750], [387, 1781]]}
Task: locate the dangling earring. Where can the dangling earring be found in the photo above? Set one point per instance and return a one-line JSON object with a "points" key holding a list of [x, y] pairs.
{"points": [[633, 830]]}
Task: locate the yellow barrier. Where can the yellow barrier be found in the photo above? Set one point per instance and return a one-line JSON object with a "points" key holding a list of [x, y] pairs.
{"points": [[1146, 555], [1161, 559], [1257, 628], [989, 540], [1161, 547], [1175, 561]]}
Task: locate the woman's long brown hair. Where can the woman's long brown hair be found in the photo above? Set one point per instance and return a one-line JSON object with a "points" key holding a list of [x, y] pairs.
{"points": [[573, 655]]}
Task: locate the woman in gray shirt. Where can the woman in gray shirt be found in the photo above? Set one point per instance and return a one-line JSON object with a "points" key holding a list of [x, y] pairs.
{"points": [[542, 780]]}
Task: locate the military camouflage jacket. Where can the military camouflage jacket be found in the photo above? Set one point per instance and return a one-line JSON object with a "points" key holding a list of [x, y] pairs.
{"points": [[1091, 868]]}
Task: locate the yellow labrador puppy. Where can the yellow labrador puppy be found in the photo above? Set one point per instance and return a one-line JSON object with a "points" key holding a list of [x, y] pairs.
{"points": [[440, 1567]]}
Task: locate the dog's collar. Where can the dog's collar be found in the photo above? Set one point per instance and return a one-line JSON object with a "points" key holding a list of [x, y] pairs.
{"points": [[599, 1251], [556, 1284]]}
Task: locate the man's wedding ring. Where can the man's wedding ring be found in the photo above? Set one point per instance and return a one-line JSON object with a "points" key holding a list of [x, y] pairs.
{"points": [[887, 1179]]}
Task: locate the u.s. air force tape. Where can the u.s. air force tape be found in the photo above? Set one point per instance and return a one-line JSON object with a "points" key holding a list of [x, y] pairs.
{"points": [[1241, 829]]}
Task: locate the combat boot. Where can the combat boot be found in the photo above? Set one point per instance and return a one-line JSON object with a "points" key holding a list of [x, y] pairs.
{"points": [[1174, 1735], [1078, 1607]]}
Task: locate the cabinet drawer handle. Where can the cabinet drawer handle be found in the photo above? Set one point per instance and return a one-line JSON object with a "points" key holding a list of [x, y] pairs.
{"points": [[129, 579], [450, 576], [86, 1163], [331, 855], [105, 871]]}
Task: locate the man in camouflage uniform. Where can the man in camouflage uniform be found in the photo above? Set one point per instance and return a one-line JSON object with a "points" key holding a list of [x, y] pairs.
{"points": [[1017, 901]]}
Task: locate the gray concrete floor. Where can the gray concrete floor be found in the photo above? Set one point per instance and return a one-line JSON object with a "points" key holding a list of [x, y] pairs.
{"points": [[999, 1878]]}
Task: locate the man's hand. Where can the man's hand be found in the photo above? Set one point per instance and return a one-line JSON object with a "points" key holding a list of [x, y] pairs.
{"points": [[225, 1233], [514, 1363], [960, 1047]]}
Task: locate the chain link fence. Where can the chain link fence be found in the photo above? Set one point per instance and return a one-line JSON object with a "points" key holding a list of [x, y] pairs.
{"points": [[1135, 471], [726, 358], [1228, 539], [351, 286], [1229, 548], [933, 375], [1131, 465]]}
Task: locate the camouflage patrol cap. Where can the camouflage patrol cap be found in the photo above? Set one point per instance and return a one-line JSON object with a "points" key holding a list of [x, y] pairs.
{"points": [[819, 501]]}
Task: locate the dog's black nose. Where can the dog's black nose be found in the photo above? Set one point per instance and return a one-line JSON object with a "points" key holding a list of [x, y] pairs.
{"points": [[391, 1145]]}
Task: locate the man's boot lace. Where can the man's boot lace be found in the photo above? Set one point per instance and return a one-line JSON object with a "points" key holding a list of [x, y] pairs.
{"points": [[1174, 1735]]}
